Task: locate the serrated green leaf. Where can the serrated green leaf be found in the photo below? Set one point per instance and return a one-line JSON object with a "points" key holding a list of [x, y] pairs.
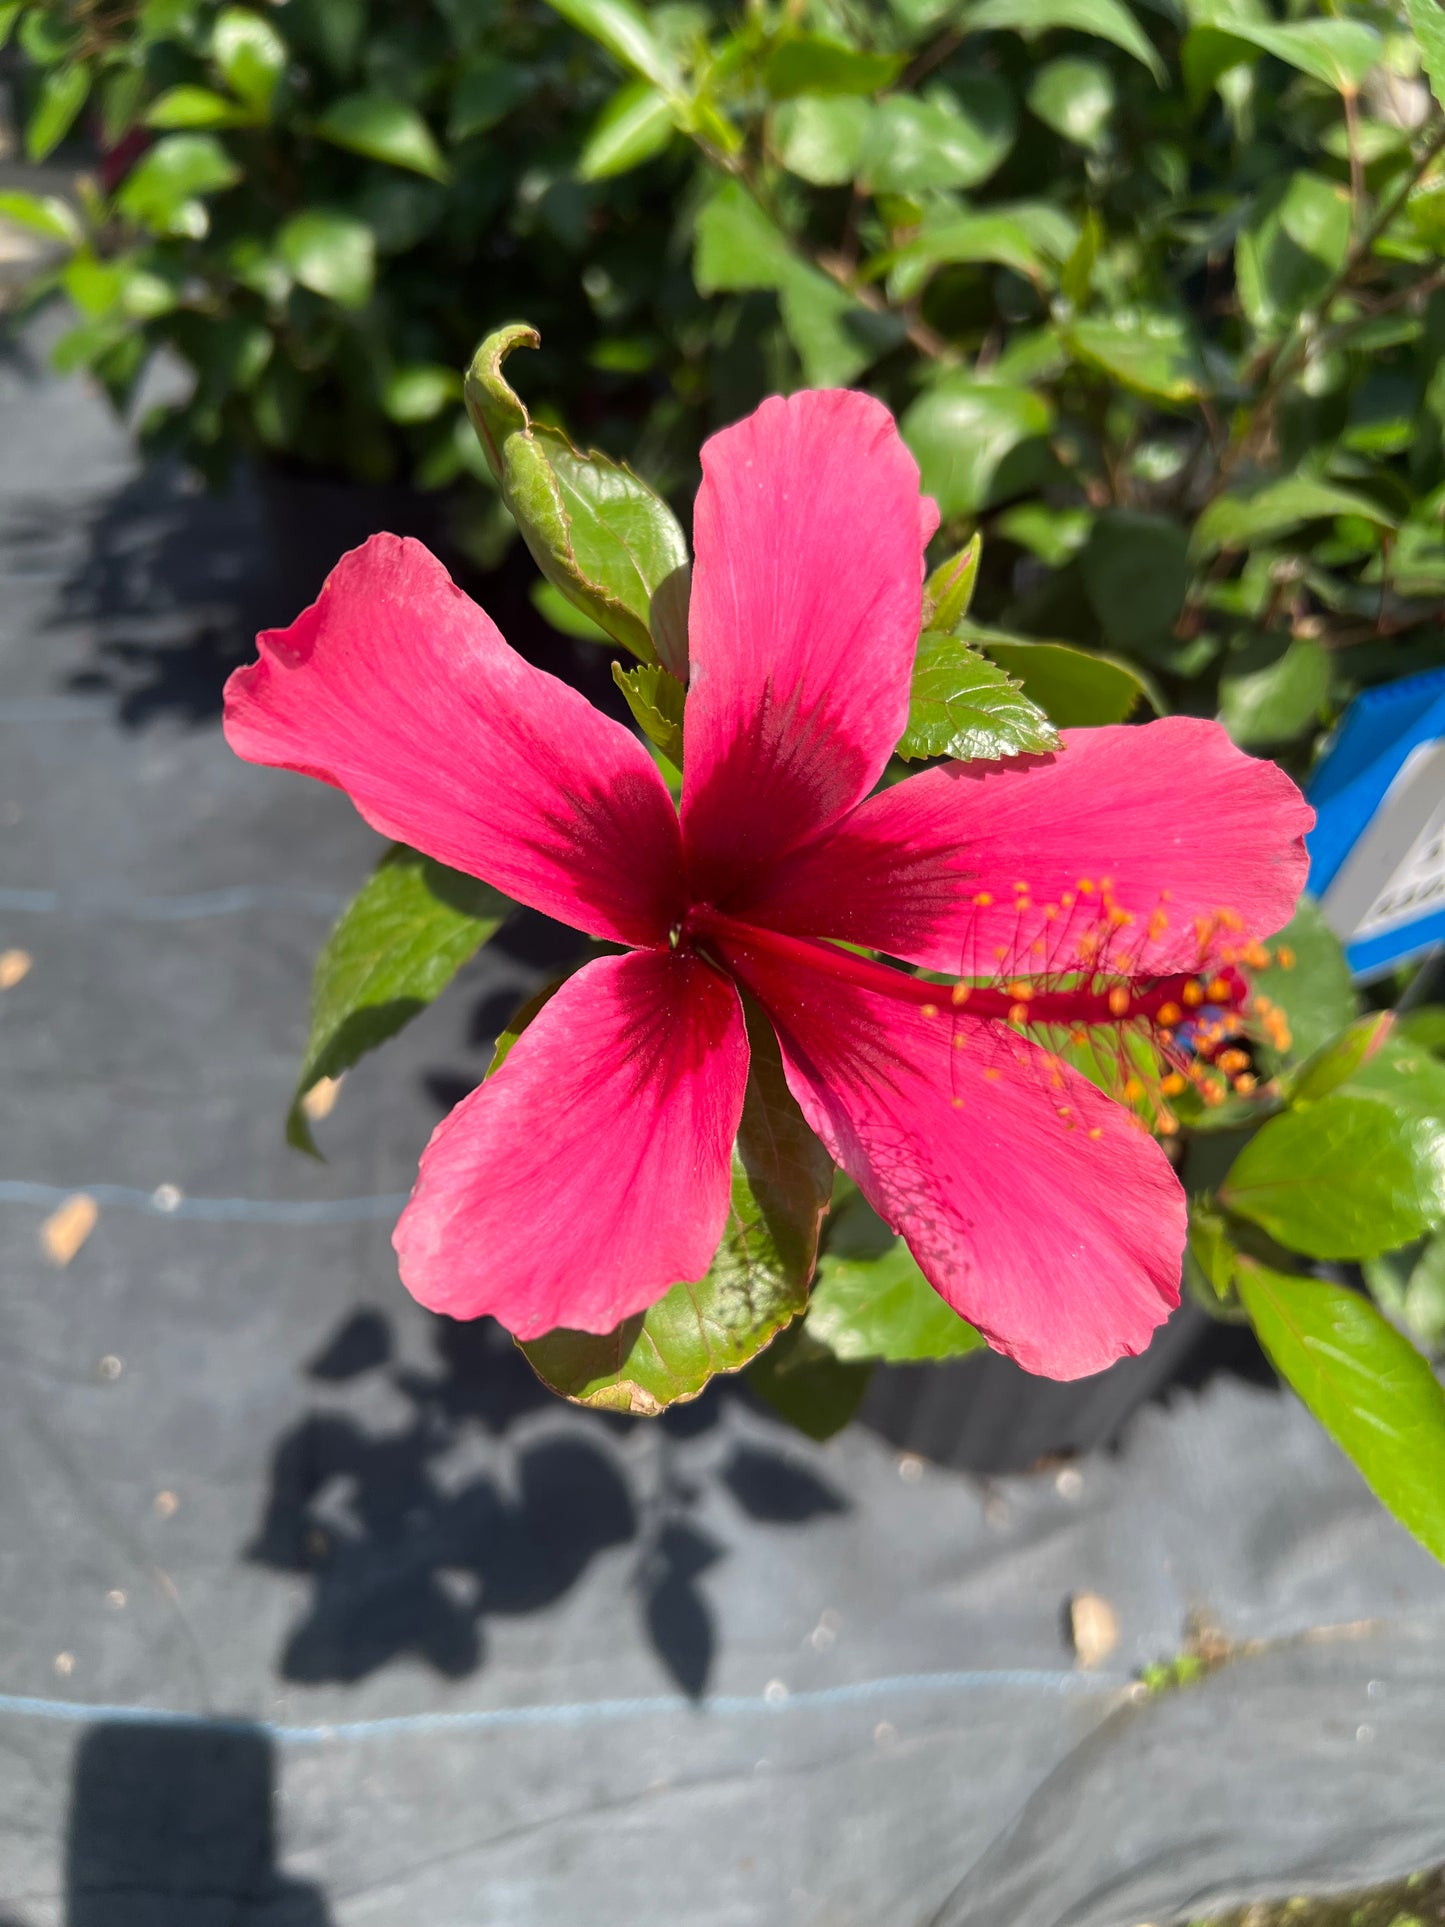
{"points": [[598, 533], [395, 948], [656, 699], [1350, 1177], [62, 93], [1104, 19], [756, 1284], [1367, 1386], [884, 1308], [964, 706], [814, 64], [636, 124], [384, 130], [1076, 688], [331, 253]]}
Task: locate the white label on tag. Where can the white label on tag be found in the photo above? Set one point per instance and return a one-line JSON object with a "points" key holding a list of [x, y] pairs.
{"points": [[1395, 874]]}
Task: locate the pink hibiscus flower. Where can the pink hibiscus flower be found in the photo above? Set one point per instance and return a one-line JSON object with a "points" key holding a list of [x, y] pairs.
{"points": [[592, 1171]]}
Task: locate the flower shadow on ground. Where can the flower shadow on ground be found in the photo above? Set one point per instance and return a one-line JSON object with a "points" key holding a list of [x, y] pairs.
{"points": [[414, 1535]]}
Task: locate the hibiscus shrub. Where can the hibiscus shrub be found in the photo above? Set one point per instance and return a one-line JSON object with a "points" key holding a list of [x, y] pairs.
{"points": [[1008, 994]]}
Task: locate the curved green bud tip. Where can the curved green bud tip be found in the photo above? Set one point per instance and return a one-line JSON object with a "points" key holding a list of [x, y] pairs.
{"points": [[494, 407]]}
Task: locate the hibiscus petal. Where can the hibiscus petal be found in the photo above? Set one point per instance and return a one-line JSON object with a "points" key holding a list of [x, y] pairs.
{"points": [[593, 1170], [398, 689], [984, 869], [1037, 1208], [806, 595]]}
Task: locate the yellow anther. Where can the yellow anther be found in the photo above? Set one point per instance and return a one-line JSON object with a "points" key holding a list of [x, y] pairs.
{"points": [[960, 1040], [928, 1010], [1284, 957], [1193, 993], [1119, 1001], [1245, 1084], [993, 1074], [1233, 1060], [1086, 888], [1133, 1090], [1097, 1132], [956, 1102], [1173, 1084], [1051, 911], [1068, 899], [1018, 1013], [1219, 990], [961, 993], [1170, 1015], [1078, 1035], [983, 900], [1021, 889], [1020, 990], [1119, 917]]}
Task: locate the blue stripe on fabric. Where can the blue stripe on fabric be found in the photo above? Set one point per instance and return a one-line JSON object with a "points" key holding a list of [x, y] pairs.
{"points": [[578, 1713], [299, 1211]]}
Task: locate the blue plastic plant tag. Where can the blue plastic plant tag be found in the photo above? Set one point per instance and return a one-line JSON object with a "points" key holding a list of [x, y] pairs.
{"points": [[1377, 851]]}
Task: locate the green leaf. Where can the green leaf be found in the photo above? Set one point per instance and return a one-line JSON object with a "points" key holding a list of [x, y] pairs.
{"points": [[964, 706], [486, 91], [806, 1385], [163, 190], [1251, 518], [1337, 52], [1404, 1075], [739, 247], [950, 137], [194, 107], [1147, 350], [597, 532], [1350, 1177], [1367, 1386], [636, 124], [1428, 20], [9, 14], [1271, 694], [1104, 19], [396, 947], [1031, 237], [44, 214], [250, 54], [884, 1308], [625, 31], [1076, 97], [977, 442], [812, 64], [563, 615], [332, 254], [419, 392], [820, 139], [61, 95], [1211, 1250], [656, 700], [948, 592], [1409, 1286], [757, 1282], [384, 130], [1338, 1061], [1076, 688], [1136, 571], [1315, 990], [1293, 247]]}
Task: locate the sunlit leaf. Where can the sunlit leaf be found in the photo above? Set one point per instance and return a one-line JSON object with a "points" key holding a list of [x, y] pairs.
{"points": [[965, 706]]}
